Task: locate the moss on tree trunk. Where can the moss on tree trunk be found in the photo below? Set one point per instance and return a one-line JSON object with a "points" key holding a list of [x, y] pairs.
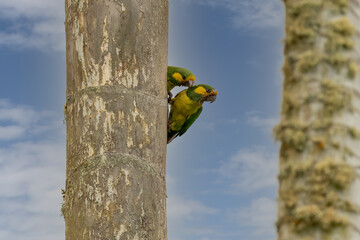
{"points": [[320, 122]]}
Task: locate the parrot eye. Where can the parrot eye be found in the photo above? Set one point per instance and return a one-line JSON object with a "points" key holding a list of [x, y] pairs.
{"points": [[183, 77], [208, 90]]}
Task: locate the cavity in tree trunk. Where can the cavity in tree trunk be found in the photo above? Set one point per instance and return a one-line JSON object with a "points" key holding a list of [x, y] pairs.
{"points": [[320, 122], [116, 118]]}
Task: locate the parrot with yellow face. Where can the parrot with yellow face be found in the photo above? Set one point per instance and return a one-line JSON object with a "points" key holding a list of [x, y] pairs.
{"points": [[186, 107], [177, 76]]}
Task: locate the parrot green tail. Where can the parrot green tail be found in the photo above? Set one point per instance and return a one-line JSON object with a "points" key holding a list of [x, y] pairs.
{"points": [[172, 135]]}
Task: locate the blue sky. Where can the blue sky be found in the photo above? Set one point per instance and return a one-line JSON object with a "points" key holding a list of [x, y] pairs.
{"points": [[221, 174]]}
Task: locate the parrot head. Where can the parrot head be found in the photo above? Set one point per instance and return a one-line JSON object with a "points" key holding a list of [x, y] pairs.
{"points": [[183, 77], [203, 93]]}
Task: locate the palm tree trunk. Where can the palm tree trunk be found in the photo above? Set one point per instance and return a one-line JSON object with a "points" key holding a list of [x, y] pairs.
{"points": [[320, 122], [116, 118]]}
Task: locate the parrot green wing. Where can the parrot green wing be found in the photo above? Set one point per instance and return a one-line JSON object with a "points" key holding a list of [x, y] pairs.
{"points": [[173, 134], [190, 121]]}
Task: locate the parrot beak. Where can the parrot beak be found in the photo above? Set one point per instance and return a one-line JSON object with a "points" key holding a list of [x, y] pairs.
{"points": [[210, 98], [187, 83]]}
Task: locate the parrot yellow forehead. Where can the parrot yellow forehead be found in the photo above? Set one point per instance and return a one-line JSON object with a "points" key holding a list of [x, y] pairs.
{"points": [[177, 76], [201, 90], [180, 78]]}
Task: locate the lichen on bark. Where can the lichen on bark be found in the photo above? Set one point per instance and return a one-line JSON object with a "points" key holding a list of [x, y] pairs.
{"points": [[319, 126]]}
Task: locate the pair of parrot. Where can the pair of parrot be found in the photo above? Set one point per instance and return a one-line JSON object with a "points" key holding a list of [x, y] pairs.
{"points": [[186, 106]]}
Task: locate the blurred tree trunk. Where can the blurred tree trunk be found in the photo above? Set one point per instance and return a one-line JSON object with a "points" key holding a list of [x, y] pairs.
{"points": [[116, 118], [319, 191]]}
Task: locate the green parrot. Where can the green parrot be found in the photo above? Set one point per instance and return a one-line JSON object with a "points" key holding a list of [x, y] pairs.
{"points": [[186, 107], [177, 76]]}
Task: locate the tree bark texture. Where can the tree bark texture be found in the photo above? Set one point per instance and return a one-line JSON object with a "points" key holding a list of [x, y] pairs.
{"points": [[319, 131], [116, 118]]}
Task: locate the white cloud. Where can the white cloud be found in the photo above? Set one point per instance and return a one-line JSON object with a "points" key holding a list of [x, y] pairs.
{"points": [[260, 216], [251, 13], [31, 8], [182, 213], [250, 170], [20, 121], [180, 208], [257, 13], [10, 132], [33, 24], [32, 173], [18, 114], [255, 119]]}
